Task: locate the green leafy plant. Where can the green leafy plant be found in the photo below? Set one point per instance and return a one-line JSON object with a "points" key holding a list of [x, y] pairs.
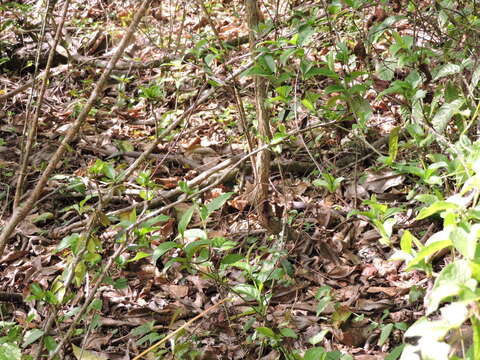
{"points": [[329, 182], [152, 92], [10, 340], [381, 216]]}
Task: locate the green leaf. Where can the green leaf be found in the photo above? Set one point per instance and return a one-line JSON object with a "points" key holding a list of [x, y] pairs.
{"points": [[376, 31], [393, 143], [428, 251], [232, 258], [386, 69], [185, 220], [386, 331], [10, 352], [80, 271], [406, 242], [305, 32], [320, 183], [284, 91], [183, 185], [449, 283], [120, 284], [354, 3], [43, 217], [321, 71], [445, 113], [82, 354], [388, 228], [315, 339], [50, 343], [191, 248], [436, 207], [361, 108], [37, 290], [414, 79], [162, 249], [154, 221], [335, 88], [68, 242], [218, 202], [415, 294], [109, 171], [286, 54], [143, 329], [256, 71], [249, 290], [270, 62], [317, 353], [287, 332], [475, 79], [395, 353], [287, 267], [340, 315], [476, 334], [126, 146], [196, 233], [139, 256], [209, 59], [265, 331], [464, 242], [308, 105], [322, 304], [446, 70], [31, 336]]}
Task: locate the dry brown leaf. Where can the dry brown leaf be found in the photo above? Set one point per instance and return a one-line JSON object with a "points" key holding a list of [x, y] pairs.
{"points": [[373, 305], [353, 336], [96, 341], [390, 291], [176, 291], [341, 271], [370, 357], [379, 182]]}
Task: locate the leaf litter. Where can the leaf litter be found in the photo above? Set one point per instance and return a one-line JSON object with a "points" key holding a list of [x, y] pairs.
{"points": [[333, 251]]}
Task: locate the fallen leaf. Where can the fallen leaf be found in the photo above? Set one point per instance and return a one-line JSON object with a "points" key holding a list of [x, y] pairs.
{"points": [[87, 354]]}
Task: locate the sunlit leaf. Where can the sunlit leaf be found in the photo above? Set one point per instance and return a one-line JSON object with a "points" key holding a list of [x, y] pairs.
{"points": [[218, 202], [446, 70], [267, 332], [82, 354], [31, 336], [10, 351], [428, 251], [385, 333], [185, 220], [445, 113], [435, 208], [314, 354], [162, 249], [448, 283]]}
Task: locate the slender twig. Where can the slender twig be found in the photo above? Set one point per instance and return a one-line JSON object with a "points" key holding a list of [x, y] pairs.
{"points": [[38, 106]]}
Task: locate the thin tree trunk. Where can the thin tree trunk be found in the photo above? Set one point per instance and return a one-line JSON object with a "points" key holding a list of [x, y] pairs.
{"points": [[265, 217]]}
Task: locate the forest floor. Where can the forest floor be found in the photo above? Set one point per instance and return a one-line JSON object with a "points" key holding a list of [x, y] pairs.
{"points": [[336, 286]]}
